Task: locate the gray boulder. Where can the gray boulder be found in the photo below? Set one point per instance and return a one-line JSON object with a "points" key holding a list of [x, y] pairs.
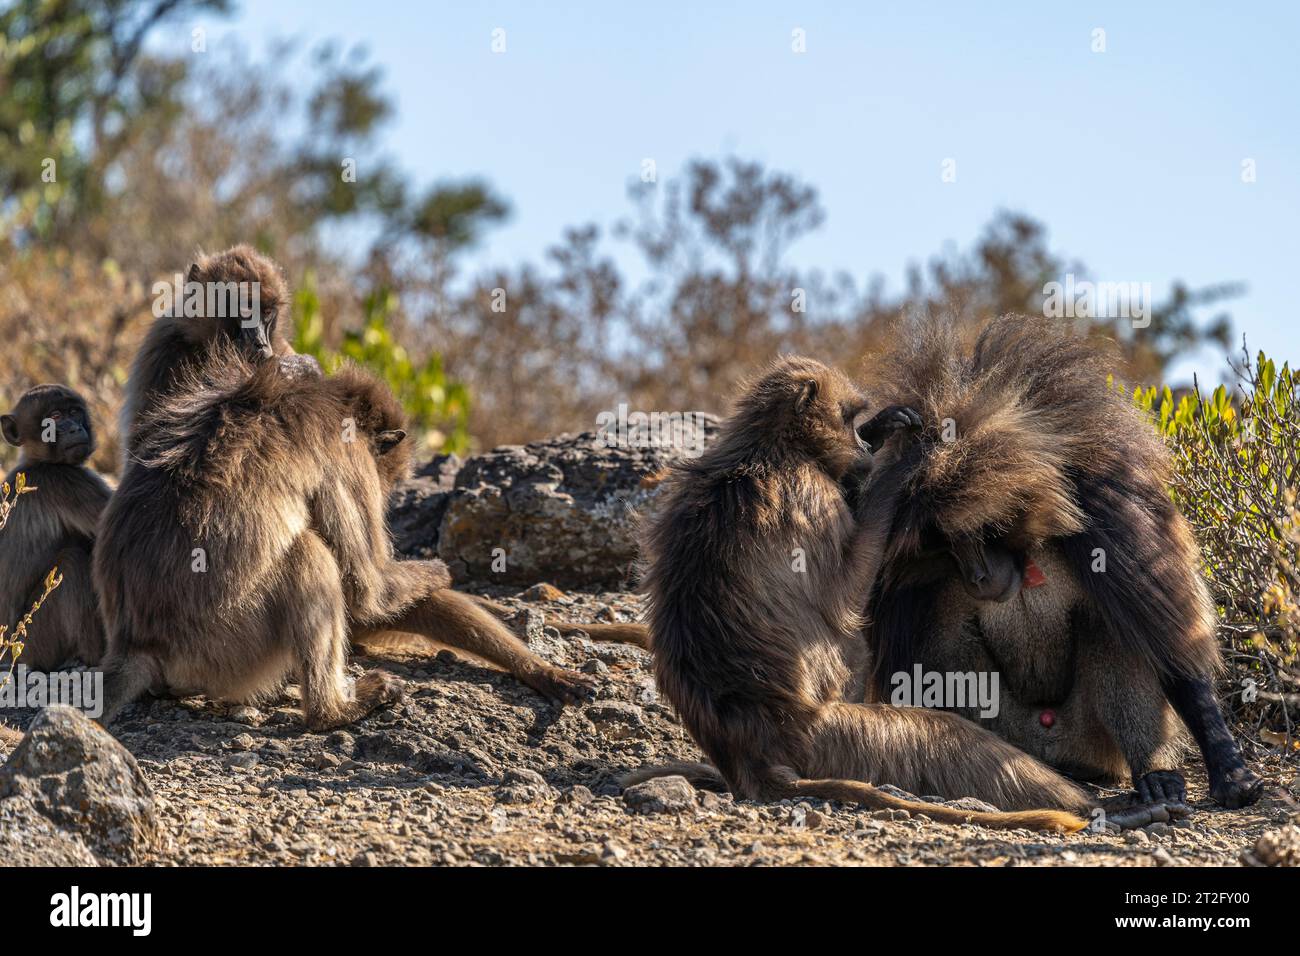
{"points": [[671, 794], [76, 775], [562, 510]]}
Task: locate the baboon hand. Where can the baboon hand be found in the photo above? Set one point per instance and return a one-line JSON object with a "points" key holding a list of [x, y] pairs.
{"points": [[1162, 786], [562, 686], [1238, 788], [887, 422]]}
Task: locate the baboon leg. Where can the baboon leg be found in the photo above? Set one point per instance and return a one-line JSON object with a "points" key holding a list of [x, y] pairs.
{"points": [[617, 633], [933, 752], [126, 677], [458, 620], [311, 616], [613, 633], [68, 624], [1130, 704], [1232, 783]]}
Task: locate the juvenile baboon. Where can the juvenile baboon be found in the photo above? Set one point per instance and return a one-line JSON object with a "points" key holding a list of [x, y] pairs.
{"points": [[1037, 540], [247, 542], [53, 527], [754, 570]]}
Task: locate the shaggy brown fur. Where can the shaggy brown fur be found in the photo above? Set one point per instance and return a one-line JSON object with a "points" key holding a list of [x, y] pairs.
{"points": [[761, 659], [54, 526], [247, 542], [175, 343], [1031, 455]]}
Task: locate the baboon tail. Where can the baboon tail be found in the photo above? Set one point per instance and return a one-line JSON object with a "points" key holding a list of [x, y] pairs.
{"points": [[637, 634], [854, 791], [125, 679], [929, 751], [702, 776]]}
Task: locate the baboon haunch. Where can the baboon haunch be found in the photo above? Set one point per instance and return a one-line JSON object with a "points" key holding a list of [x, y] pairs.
{"points": [[754, 569], [247, 543], [53, 526], [1037, 540]]}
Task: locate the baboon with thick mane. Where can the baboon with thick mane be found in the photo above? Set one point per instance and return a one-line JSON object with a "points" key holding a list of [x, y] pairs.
{"points": [[53, 527], [1037, 539], [247, 543], [754, 570], [175, 343]]}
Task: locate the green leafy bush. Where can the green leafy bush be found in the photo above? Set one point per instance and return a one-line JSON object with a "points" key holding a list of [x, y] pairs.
{"points": [[1236, 479], [437, 407]]}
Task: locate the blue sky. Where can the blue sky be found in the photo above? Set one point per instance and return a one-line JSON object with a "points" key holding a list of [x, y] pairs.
{"points": [[1132, 157]]}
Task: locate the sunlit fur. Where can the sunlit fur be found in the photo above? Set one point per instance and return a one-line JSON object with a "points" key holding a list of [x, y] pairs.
{"points": [[763, 662], [174, 344], [281, 480], [1047, 460]]}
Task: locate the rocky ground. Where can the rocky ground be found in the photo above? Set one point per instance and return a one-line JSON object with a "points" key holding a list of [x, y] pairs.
{"points": [[475, 769]]}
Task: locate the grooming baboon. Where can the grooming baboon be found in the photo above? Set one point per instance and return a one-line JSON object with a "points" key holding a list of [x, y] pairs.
{"points": [[53, 526], [1038, 540], [176, 342], [247, 542], [754, 570]]}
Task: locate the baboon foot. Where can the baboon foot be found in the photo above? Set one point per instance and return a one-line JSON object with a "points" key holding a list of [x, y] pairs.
{"points": [[1139, 815], [561, 686], [377, 689], [374, 689], [1162, 786], [1236, 789]]}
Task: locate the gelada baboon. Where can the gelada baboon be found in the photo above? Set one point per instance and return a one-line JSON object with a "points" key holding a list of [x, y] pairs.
{"points": [[755, 567], [246, 543], [237, 295], [1037, 540], [54, 526]]}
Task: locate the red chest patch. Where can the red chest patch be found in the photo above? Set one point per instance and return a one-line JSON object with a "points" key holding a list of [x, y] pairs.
{"points": [[1047, 717], [1034, 576]]}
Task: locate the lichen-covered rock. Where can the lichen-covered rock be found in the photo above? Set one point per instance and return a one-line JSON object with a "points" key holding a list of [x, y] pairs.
{"points": [[28, 838], [563, 510], [417, 507], [661, 795], [74, 773]]}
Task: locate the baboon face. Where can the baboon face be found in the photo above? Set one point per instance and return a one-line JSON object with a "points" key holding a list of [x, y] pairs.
{"points": [[51, 424], [815, 408], [989, 570], [242, 296]]}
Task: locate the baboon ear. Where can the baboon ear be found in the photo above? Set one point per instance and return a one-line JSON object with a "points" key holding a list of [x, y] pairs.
{"points": [[807, 395], [194, 275], [9, 425], [388, 440]]}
